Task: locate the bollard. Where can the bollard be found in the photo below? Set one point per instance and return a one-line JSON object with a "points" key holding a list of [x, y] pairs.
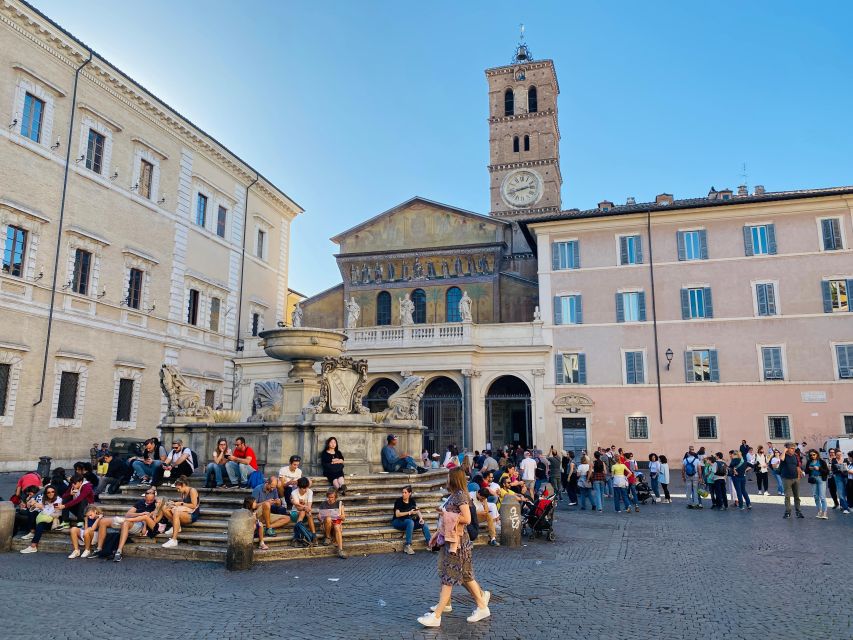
{"points": [[510, 514], [241, 549], [7, 525]]}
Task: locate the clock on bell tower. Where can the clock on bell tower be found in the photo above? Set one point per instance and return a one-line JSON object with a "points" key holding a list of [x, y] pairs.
{"points": [[524, 138]]}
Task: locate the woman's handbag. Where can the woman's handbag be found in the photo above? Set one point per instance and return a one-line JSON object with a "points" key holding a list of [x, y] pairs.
{"points": [[812, 480], [44, 518]]}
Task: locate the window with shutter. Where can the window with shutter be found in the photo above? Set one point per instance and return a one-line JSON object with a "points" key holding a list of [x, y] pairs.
{"points": [[630, 250], [771, 358], [831, 234], [765, 297], [700, 365], [634, 373], [848, 425], [568, 310], [571, 368], [125, 400], [836, 293], [565, 255], [66, 408], [632, 305], [844, 355], [5, 379]]}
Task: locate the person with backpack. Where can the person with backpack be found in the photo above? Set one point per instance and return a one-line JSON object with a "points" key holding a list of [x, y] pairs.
{"points": [[708, 467], [791, 472], [721, 471], [303, 499], [179, 462], [690, 476], [738, 467], [839, 479]]}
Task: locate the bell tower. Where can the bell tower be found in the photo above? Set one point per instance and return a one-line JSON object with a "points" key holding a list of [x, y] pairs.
{"points": [[524, 137]]}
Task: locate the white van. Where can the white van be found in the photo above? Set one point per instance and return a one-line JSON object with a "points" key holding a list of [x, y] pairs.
{"points": [[844, 443]]}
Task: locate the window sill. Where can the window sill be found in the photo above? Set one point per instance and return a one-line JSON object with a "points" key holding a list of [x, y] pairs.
{"points": [[15, 287], [74, 423], [125, 426]]}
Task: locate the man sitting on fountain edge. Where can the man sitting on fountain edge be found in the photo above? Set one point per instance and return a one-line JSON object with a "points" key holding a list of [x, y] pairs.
{"points": [[392, 461]]}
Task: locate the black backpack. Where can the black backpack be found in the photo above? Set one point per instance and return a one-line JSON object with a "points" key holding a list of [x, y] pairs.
{"points": [[473, 527]]}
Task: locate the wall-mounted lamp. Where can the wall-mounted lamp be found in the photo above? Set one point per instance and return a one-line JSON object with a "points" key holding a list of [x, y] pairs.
{"points": [[228, 312], [151, 308], [67, 285], [39, 276], [80, 159], [55, 145], [162, 200], [669, 354], [135, 187], [13, 123], [102, 294], [114, 176], [240, 344], [280, 324]]}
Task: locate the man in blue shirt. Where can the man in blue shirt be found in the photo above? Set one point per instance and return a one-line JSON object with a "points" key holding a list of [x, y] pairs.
{"points": [[392, 461]]}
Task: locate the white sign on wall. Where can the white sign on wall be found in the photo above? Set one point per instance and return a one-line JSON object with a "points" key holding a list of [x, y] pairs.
{"points": [[813, 396]]}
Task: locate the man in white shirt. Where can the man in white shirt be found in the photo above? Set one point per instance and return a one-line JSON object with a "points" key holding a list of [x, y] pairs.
{"points": [[288, 477], [302, 499], [528, 472]]}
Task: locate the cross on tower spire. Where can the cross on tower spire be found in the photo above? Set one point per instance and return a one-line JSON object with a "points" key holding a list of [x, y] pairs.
{"points": [[522, 53]]}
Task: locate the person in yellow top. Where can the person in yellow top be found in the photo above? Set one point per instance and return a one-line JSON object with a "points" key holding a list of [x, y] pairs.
{"points": [[620, 474]]}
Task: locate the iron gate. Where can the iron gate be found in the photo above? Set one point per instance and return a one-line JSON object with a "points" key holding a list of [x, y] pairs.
{"points": [[442, 417], [508, 420]]}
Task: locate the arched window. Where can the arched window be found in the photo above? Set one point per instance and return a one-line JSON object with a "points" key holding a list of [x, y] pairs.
{"points": [[532, 100], [515, 144], [509, 103], [527, 143], [419, 298], [452, 298], [383, 308]]}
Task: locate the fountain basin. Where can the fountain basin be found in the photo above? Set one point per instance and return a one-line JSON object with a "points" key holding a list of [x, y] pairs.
{"points": [[302, 346]]}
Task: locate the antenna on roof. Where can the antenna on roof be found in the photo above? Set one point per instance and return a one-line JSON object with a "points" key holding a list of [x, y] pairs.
{"points": [[744, 175]]}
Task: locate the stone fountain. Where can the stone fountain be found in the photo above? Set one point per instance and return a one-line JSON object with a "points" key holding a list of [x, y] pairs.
{"points": [[297, 412]]}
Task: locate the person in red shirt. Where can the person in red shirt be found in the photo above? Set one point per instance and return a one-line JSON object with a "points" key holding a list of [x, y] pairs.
{"points": [[75, 500], [241, 463], [29, 479], [628, 461]]}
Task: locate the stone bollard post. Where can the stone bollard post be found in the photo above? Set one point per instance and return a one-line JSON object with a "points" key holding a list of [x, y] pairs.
{"points": [[7, 525], [510, 514], [241, 549]]}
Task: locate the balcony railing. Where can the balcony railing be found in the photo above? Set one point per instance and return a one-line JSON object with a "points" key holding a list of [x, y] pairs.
{"points": [[436, 335]]}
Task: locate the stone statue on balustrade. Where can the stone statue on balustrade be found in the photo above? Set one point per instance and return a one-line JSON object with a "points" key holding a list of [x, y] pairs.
{"points": [[296, 316], [465, 307], [407, 311], [266, 401], [353, 313], [182, 400], [342, 381], [403, 404]]}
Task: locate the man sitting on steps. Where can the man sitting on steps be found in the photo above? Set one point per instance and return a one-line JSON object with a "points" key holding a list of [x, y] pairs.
{"points": [[266, 496], [392, 461]]}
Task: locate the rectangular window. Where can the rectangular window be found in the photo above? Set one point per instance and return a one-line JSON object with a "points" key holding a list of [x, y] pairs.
{"points": [[848, 425], [66, 408], [830, 231], [701, 365], [634, 370], [5, 379], [692, 245], [256, 323], [95, 151], [221, 217], [638, 428], [771, 360], [696, 302], [262, 239], [844, 355], [215, 306], [565, 255], [835, 295], [134, 288], [571, 368], [759, 240], [125, 400], [13, 252], [765, 298], [631, 306], [146, 178], [82, 267], [568, 310], [778, 428], [192, 309], [209, 398], [201, 210], [706, 427], [32, 119], [630, 250]]}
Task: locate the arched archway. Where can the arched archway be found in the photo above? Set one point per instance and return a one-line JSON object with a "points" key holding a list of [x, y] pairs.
{"points": [[376, 399], [441, 414], [508, 413]]}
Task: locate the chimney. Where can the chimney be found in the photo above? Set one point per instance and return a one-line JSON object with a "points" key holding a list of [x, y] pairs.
{"points": [[631, 200], [759, 190], [742, 191], [724, 194], [663, 198], [712, 194], [605, 205]]}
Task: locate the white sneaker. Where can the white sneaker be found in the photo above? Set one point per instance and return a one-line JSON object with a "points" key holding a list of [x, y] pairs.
{"points": [[407, 549], [447, 609], [168, 532], [429, 620], [847, 511], [171, 542], [74, 554], [479, 614], [27, 536], [85, 554], [487, 595], [29, 550]]}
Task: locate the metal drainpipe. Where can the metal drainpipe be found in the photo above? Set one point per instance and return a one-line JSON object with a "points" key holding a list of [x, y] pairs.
{"points": [[237, 342], [654, 311], [59, 229]]}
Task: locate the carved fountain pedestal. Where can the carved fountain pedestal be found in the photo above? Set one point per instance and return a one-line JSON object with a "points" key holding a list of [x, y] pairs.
{"points": [[297, 413]]}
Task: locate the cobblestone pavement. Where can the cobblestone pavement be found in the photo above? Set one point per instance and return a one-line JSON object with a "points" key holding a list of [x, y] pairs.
{"points": [[607, 575]]}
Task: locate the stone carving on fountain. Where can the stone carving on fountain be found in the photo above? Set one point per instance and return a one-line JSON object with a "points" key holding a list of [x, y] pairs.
{"points": [[342, 381], [182, 399], [403, 404], [266, 402]]}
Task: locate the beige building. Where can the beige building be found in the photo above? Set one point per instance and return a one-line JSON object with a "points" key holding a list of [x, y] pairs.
{"points": [[130, 238]]}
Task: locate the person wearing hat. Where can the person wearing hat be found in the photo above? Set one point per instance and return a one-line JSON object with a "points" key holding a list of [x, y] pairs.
{"points": [[435, 464], [393, 461]]}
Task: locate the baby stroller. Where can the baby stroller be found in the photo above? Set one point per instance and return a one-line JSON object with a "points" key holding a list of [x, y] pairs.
{"points": [[539, 519], [644, 492]]}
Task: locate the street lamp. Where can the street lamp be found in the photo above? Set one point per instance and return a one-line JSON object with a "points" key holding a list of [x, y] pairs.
{"points": [[669, 354]]}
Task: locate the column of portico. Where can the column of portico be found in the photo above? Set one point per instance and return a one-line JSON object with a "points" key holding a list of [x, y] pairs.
{"points": [[541, 437], [470, 389]]}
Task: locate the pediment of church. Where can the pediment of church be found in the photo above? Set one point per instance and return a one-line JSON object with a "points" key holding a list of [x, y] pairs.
{"points": [[419, 224]]}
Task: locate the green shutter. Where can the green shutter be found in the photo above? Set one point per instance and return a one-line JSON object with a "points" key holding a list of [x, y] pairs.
{"points": [[578, 310], [558, 310], [688, 367], [827, 296], [620, 308], [703, 244], [685, 304], [709, 305], [558, 366], [714, 365], [555, 256], [639, 249], [679, 238], [581, 368], [623, 250], [771, 239], [747, 241], [574, 247]]}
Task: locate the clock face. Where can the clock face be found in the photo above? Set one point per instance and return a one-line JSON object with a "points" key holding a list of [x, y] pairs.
{"points": [[521, 188]]}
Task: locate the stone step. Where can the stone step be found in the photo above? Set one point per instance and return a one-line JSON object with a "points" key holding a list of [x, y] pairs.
{"points": [[225, 498], [354, 512], [438, 475]]}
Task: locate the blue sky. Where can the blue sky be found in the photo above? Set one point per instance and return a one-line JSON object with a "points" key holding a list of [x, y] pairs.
{"points": [[353, 107]]}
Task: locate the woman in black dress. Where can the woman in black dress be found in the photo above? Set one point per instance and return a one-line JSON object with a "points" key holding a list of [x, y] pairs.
{"points": [[333, 465]]}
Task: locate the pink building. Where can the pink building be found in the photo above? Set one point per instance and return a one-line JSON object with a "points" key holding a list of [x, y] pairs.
{"points": [[701, 321]]}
